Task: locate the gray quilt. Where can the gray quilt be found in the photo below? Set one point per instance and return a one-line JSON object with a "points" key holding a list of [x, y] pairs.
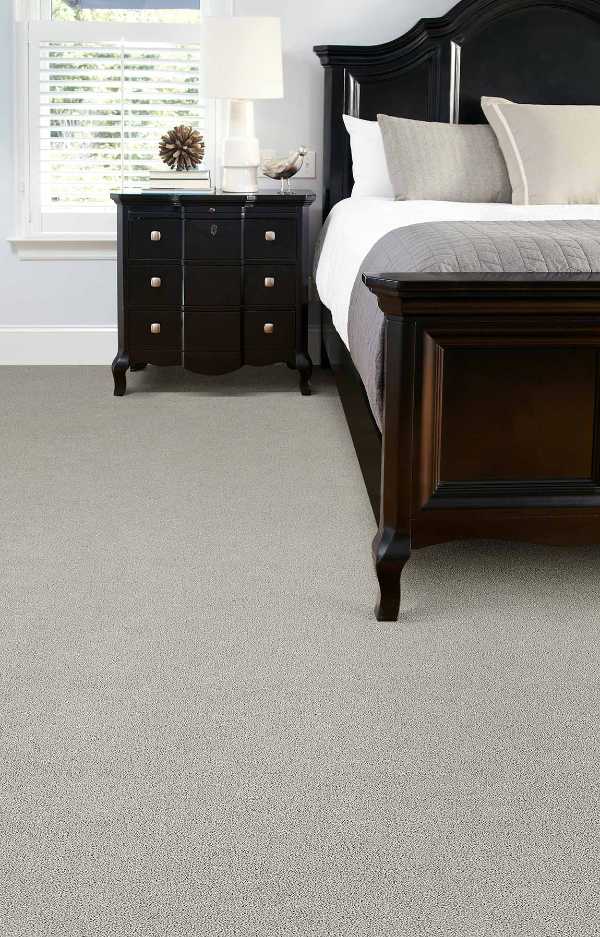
{"points": [[461, 247]]}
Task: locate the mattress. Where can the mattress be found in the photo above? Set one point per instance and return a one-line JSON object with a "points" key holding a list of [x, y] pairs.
{"points": [[355, 225], [513, 239]]}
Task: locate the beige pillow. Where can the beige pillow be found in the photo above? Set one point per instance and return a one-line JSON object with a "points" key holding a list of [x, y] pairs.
{"points": [[552, 151], [444, 162]]}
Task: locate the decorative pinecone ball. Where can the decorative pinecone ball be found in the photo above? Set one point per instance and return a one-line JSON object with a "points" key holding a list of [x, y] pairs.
{"points": [[182, 148]]}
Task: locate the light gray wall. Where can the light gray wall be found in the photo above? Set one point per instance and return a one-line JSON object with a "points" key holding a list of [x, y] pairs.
{"points": [[83, 292]]}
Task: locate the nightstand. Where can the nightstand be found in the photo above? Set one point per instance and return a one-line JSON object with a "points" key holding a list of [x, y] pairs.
{"points": [[212, 282]]}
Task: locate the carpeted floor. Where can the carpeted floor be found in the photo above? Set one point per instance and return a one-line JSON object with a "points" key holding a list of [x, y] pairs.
{"points": [[204, 732]]}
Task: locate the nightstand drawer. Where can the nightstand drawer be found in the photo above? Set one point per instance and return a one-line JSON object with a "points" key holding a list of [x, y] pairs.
{"points": [[215, 330], [154, 285], [270, 285], [214, 239], [268, 336], [154, 237], [158, 329], [270, 239], [213, 286]]}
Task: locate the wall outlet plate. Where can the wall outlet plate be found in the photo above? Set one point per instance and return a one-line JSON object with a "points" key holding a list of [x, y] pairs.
{"points": [[265, 155], [309, 167]]}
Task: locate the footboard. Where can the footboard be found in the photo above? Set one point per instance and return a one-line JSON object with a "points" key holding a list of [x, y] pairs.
{"points": [[491, 413]]}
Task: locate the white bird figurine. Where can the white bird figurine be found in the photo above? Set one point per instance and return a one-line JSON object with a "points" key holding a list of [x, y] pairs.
{"points": [[285, 168]]}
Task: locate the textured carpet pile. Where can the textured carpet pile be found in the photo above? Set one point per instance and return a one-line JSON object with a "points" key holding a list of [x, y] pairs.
{"points": [[203, 730]]}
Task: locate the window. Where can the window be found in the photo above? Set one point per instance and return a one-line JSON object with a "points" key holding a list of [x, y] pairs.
{"points": [[103, 81], [103, 104]]}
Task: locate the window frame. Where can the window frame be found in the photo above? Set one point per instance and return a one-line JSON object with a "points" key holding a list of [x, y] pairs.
{"points": [[89, 234]]}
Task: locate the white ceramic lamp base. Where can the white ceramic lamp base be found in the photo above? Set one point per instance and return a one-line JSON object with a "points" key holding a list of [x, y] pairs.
{"points": [[240, 179], [241, 151]]}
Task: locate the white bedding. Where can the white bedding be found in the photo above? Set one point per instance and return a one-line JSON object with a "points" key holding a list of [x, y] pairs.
{"points": [[356, 224]]}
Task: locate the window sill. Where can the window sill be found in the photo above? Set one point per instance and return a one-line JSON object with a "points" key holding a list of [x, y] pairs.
{"points": [[65, 246]]}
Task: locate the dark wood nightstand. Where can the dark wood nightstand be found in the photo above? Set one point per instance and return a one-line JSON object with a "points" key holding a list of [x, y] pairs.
{"points": [[212, 282]]}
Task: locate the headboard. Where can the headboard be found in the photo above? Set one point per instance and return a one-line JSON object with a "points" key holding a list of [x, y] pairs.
{"points": [[531, 51]]}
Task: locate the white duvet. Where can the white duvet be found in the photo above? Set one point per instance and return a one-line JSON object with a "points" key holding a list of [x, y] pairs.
{"points": [[356, 224]]}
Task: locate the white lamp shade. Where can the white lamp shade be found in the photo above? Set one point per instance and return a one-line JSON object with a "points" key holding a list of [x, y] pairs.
{"points": [[242, 57]]}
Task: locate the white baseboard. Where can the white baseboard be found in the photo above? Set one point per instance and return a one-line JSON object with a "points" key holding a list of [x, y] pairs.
{"points": [[57, 345]]}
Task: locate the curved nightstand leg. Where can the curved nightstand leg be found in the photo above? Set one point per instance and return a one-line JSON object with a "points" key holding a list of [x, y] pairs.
{"points": [[139, 366], [391, 554], [305, 368], [119, 368]]}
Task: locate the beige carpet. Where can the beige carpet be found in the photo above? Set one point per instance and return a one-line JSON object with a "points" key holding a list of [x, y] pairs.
{"points": [[204, 731]]}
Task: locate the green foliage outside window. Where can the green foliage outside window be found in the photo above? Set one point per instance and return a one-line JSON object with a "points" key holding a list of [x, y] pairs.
{"points": [[70, 11]]}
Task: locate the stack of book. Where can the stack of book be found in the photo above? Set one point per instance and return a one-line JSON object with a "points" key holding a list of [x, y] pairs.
{"points": [[189, 180]]}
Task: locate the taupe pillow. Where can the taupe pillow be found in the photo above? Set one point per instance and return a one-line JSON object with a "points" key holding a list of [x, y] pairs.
{"points": [[552, 151], [444, 162]]}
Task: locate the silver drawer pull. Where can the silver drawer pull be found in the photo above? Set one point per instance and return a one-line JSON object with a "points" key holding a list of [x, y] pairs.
{"points": [[269, 282], [155, 283], [268, 328], [155, 328], [214, 230], [155, 235], [270, 235]]}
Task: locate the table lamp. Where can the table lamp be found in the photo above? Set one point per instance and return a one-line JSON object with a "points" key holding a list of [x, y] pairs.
{"points": [[242, 63]]}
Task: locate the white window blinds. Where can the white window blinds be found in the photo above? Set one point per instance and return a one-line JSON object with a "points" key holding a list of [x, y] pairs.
{"points": [[99, 104]]}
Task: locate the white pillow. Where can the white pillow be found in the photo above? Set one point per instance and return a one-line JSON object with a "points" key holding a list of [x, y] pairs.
{"points": [[369, 165]]}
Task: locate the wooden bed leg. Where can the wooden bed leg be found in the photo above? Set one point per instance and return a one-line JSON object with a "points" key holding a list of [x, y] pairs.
{"points": [[391, 554], [392, 545]]}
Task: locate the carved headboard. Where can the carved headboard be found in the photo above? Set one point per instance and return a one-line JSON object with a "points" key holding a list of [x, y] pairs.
{"points": [[531, 51]]}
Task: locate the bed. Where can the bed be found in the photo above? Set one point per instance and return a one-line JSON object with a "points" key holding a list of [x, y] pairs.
{"points": [[473, 399]]}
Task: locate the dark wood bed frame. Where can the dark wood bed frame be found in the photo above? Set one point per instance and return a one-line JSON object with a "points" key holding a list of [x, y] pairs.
{"points": [[492, 382]]}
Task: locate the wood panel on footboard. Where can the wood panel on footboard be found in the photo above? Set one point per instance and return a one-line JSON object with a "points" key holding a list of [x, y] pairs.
{"points": [[491, 424]]}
